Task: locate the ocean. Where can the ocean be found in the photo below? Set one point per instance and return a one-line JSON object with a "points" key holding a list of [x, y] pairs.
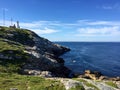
{"points": [[96, 56]]}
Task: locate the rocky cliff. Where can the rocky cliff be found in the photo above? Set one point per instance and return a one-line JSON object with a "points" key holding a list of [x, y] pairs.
{"points": [[32, 54], [22, 51]]}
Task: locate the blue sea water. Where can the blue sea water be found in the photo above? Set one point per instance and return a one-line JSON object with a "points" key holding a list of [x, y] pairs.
{"points": [[98, 56]]}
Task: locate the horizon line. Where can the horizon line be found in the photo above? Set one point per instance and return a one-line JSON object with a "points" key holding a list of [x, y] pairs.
{"points": [[86, 41]]}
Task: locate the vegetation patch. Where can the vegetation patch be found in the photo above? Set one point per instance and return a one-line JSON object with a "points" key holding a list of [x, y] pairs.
{"points": [[78, 87], [87, 83], [22, 36], [22, 82], [12, 53], [12, 57], [91, 85], [9, 45], [110, 83], [81, 80], [11, 66]]}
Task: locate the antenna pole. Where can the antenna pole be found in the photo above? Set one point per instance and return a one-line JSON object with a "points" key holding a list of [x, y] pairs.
{"points": [[3, 17]]}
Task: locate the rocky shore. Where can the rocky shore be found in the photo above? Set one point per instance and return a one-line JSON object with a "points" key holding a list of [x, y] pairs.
{"points": [[24, 52], [41, 55], [90, 80], [95, 75]]}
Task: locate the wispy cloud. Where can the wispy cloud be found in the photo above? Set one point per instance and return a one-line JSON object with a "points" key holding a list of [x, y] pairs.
{"points": [[80, 27], [108, 7], [40, 27], [106, 23], [98, 28], [39, 24], [107, 31], [115, 6], [45, 31]]}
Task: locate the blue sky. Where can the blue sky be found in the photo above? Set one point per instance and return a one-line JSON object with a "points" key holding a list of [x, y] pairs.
{"points": [[66, 20]]}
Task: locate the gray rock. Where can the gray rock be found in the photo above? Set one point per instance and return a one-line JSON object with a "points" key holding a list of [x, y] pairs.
{"points": [[69, 83], [39, 73]]}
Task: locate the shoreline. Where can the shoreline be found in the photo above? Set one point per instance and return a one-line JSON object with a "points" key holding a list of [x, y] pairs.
{"points": [[95, 75]]}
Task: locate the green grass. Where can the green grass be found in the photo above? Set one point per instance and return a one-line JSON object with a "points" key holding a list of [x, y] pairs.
{"points": [[8, 29], [78, 87], [81, 80], [87, 83], [22, 82], [9, 45], [91, 85], [11, 66], [9, 49], [12, 44], [22, 36], [110, 83]]}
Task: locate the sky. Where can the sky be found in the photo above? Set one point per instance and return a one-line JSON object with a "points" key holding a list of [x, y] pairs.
{"points": [[66, 20]]}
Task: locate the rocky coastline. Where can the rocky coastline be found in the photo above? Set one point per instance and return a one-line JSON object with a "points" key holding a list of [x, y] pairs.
{"points": [[42, 55], [24, 52], [95, 75]]}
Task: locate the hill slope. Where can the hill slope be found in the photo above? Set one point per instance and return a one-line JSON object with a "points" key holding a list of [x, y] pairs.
{"points": [[23, 51]]}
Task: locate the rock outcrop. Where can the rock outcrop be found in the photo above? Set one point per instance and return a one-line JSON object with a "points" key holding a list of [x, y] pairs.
{"points": [[95, 75], [40, 54], [24, 51], [88, 84]]}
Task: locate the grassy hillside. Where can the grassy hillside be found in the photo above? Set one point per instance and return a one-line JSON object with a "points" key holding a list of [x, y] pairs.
{"points": [[12, 48], [21, 82], [13, 56]]}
